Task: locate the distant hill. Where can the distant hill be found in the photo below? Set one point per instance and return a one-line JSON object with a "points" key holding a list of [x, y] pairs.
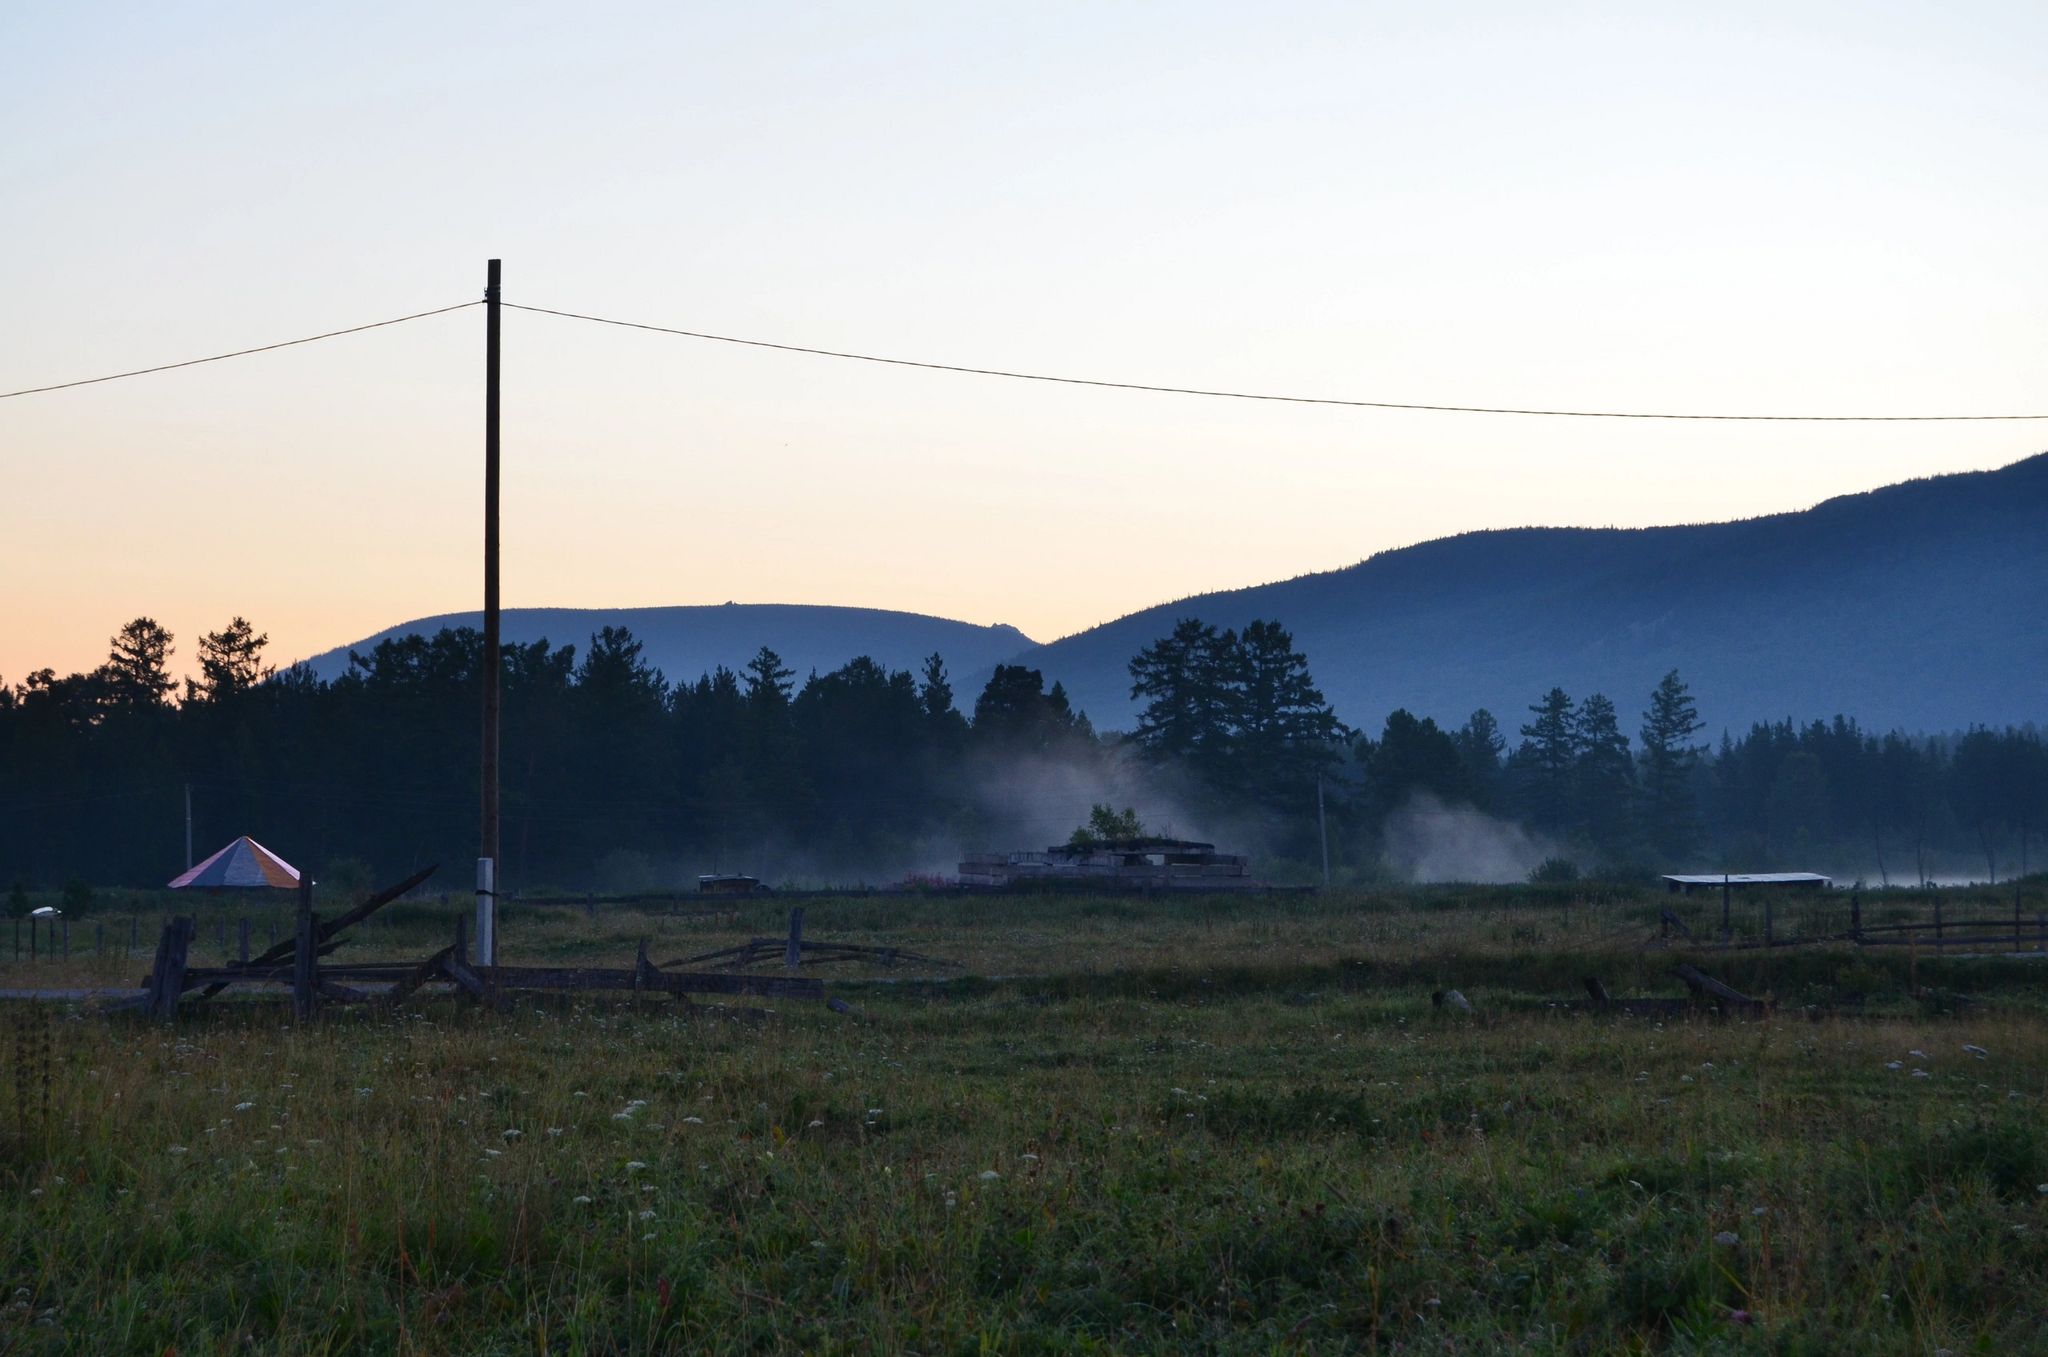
{"points": [[1923, 605], [686, 642]]}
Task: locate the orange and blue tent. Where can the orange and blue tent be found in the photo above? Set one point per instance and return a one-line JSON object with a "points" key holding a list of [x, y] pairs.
{"points": [[244, 862]]}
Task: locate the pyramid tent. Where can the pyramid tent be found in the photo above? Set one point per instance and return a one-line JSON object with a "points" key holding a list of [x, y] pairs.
{"points": [[244, 862]]}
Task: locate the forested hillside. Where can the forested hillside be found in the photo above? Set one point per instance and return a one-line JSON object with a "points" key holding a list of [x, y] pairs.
{"points": [[1917, 607]]}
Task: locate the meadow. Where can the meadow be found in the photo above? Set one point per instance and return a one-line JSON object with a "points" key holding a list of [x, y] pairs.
{"points": [[1227, 1125]]}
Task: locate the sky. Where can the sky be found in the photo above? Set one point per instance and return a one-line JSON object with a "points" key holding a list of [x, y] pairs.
{"points": [[1766, 208]]}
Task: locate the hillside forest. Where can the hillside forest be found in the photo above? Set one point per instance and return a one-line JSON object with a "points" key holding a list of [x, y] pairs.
{"points": [[617, 779]]}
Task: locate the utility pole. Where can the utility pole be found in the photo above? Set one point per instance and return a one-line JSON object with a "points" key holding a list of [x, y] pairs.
{"points": [[487, 850], [188, 826]]}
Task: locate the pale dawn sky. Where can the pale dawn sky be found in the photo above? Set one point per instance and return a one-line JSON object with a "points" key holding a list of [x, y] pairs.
{"points": [[1822, 208]]}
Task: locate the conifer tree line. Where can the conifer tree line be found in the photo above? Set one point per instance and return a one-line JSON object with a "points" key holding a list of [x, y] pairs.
{"points": [[863, 769]]}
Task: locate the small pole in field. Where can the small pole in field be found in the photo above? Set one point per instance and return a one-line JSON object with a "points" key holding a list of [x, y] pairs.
{"points": [[793, 957], [1323, 830], [1937, 923], [67, 939], [99, 940], [1767, 921], [245, 940], [1727, 925], [134, 932], [1855, 919]]}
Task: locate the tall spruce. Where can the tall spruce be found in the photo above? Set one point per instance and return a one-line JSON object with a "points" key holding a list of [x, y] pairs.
{"points": [[1603, 780], [1547, 763], [1670, 762]]}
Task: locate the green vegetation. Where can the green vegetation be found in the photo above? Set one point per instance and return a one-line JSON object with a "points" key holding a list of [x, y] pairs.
{"points": [[1196, 1124]]}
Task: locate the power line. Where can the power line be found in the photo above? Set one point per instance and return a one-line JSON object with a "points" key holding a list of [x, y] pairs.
{"points": [[1039, 377], [238, 353], [1254, 395]]}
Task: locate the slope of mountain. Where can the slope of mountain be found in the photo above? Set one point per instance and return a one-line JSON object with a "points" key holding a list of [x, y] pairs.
{"points": [[686, 642], [1923, 605]]}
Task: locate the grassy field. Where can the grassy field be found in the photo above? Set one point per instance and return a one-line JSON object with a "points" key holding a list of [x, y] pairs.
{"points": [[1177, 1125]]}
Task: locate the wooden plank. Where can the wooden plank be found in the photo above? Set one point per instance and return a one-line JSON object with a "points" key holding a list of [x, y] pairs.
{"points": [[430, 969], [462, 974], [673, 982], [1707, 985]]}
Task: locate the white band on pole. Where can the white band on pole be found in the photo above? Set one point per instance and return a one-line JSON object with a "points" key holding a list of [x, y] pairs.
{"points": [[486, 912]]}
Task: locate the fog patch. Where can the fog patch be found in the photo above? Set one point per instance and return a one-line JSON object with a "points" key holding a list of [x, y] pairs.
{"points": [[1429, 841]]}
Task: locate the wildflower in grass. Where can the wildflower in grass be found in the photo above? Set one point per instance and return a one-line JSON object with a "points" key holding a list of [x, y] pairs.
{"points": [[243, 1107], [511, 1133], [647, 1215], [554, 1130], [989, 1175], [177, 1149], [694, 1121], [581, 1201], [634, 1166], [1727, 1239]]}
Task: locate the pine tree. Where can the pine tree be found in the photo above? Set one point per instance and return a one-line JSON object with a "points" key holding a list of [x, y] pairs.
{"points": [[1480, 745], [136, 673], [1548, 762], [230, 662], [1186, 681], [1670, 760], [1604, 784]]}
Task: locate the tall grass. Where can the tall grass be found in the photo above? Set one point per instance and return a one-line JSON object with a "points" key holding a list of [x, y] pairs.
{"points": [[1196, 1126]]}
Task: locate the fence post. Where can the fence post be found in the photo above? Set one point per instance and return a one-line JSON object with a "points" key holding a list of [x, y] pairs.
{"points": [[67, 937], [1856, 918], [1727, 925], [1767, 920], [167, 981], [245, 940], [1937, 924], [99, 939], [134, 933], [793, 956]]}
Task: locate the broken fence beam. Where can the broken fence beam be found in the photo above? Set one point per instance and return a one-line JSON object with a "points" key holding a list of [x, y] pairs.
{"points": [[1672, 921], [1598, 991], [672, 982], [1707, 985], [433, 968], [462, 974]]}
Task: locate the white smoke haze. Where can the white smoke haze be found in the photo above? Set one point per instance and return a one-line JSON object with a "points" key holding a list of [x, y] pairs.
{"points": [[1428, 841], [1026, 802]]}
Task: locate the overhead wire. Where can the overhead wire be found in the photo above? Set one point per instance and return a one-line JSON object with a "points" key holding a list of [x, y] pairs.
{"points": [[239, 353], [1253, 395], [1102, 383]]}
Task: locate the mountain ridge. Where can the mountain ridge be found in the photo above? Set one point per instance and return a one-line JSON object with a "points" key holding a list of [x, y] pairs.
{"points": [[1903, 606]]}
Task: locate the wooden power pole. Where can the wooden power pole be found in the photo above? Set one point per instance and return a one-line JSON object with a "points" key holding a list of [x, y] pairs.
{"points": [[487, 851]]}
